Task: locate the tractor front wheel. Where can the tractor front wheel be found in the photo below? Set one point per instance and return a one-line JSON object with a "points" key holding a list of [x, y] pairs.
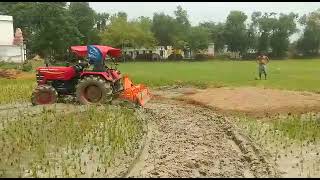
{"points": [[44, 94], [94, 90]]}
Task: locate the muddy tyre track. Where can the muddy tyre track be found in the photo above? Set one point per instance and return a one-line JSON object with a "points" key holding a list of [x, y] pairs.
{"points": [[190, 141]]}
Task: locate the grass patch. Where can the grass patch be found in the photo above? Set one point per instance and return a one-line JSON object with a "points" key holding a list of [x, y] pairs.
{"points": [[67, 145], [283, 74], [294, 127], [297, 129], [13, 90], [10, 65], [292, 142], [16, 90]]}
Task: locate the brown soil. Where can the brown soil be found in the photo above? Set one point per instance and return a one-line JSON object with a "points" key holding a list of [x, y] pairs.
{"points": [[15, 74], [9, 73], [191, 141], [248, 100], [293, 160]]}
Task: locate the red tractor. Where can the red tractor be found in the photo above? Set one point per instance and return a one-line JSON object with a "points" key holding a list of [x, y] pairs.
{"points": [[88, 87]]}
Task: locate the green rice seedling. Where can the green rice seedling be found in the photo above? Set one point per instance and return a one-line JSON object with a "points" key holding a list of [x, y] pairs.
{"points": [[52, 133], [13, 90]]}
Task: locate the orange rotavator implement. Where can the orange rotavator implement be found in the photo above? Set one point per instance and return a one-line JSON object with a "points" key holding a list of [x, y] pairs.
{"points": [[139, 94]]}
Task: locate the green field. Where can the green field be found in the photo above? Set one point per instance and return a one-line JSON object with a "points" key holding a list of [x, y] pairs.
{"points": [[283, 74]]}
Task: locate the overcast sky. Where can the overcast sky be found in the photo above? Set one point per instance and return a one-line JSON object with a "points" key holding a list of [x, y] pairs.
{"points": [[203, 11]]}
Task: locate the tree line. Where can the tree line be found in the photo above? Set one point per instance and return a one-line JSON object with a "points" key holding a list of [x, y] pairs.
{"points": [[50, 28]]}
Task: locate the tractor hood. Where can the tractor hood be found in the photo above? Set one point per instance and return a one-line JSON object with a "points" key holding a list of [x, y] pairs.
{"points": [[82, 51]]}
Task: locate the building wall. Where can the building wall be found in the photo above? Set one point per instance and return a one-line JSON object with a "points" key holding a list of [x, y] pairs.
{"points": [[166, 51], [6, 30], [211, 49], [8, 51], [12, 53]]}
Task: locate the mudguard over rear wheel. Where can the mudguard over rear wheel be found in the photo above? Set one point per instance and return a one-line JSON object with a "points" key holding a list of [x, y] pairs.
{"points": [[94, 90], [44, 94]]}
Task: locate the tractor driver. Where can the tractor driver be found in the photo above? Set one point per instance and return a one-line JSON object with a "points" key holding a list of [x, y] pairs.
{"points": [[95, 59]]}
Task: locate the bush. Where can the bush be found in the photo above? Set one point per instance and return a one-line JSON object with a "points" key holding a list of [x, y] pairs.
{"points": [[27, 66], [123, 58], [250, 56], [222, 57], [2, 63], [201, 56], [154, 57], [175, 57], [141, 57], [148, 56]]}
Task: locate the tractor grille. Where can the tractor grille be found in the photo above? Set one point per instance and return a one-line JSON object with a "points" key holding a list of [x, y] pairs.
{"points": [[39, 78]]}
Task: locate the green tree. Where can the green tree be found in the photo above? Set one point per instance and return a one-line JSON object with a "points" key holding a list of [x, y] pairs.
{"points": [[163, 28], [48, 28], [84, 17], [172, 30], [181, 28], [309, 43], [56, 31], [122, 15], [101, 21], [198, 38], [216, 34], [182, 17], [235, 32], [283, 28], [261, 29], [146, 22], [136, 32], [5, 7]]}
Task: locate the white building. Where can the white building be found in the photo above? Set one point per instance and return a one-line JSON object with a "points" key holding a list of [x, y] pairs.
{"points": [[211, 49], [8, 51], [163, 51]]}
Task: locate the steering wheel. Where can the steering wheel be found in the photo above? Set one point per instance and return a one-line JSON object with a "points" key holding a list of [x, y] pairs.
{"points": [[115, 63], [81, 65]]}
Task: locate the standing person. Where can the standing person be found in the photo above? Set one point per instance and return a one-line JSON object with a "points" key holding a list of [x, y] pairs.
{"points": [[263, 60]]}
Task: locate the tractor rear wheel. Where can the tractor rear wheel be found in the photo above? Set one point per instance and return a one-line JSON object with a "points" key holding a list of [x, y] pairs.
{"points": [[44, 94], [94, 90]]}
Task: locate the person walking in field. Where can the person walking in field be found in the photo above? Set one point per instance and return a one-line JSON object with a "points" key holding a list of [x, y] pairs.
{"points": [[262, 61]]}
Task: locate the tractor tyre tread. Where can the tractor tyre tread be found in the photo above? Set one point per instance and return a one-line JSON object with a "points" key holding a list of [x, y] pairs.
{"points": [[96, 80], [43, 88]]}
